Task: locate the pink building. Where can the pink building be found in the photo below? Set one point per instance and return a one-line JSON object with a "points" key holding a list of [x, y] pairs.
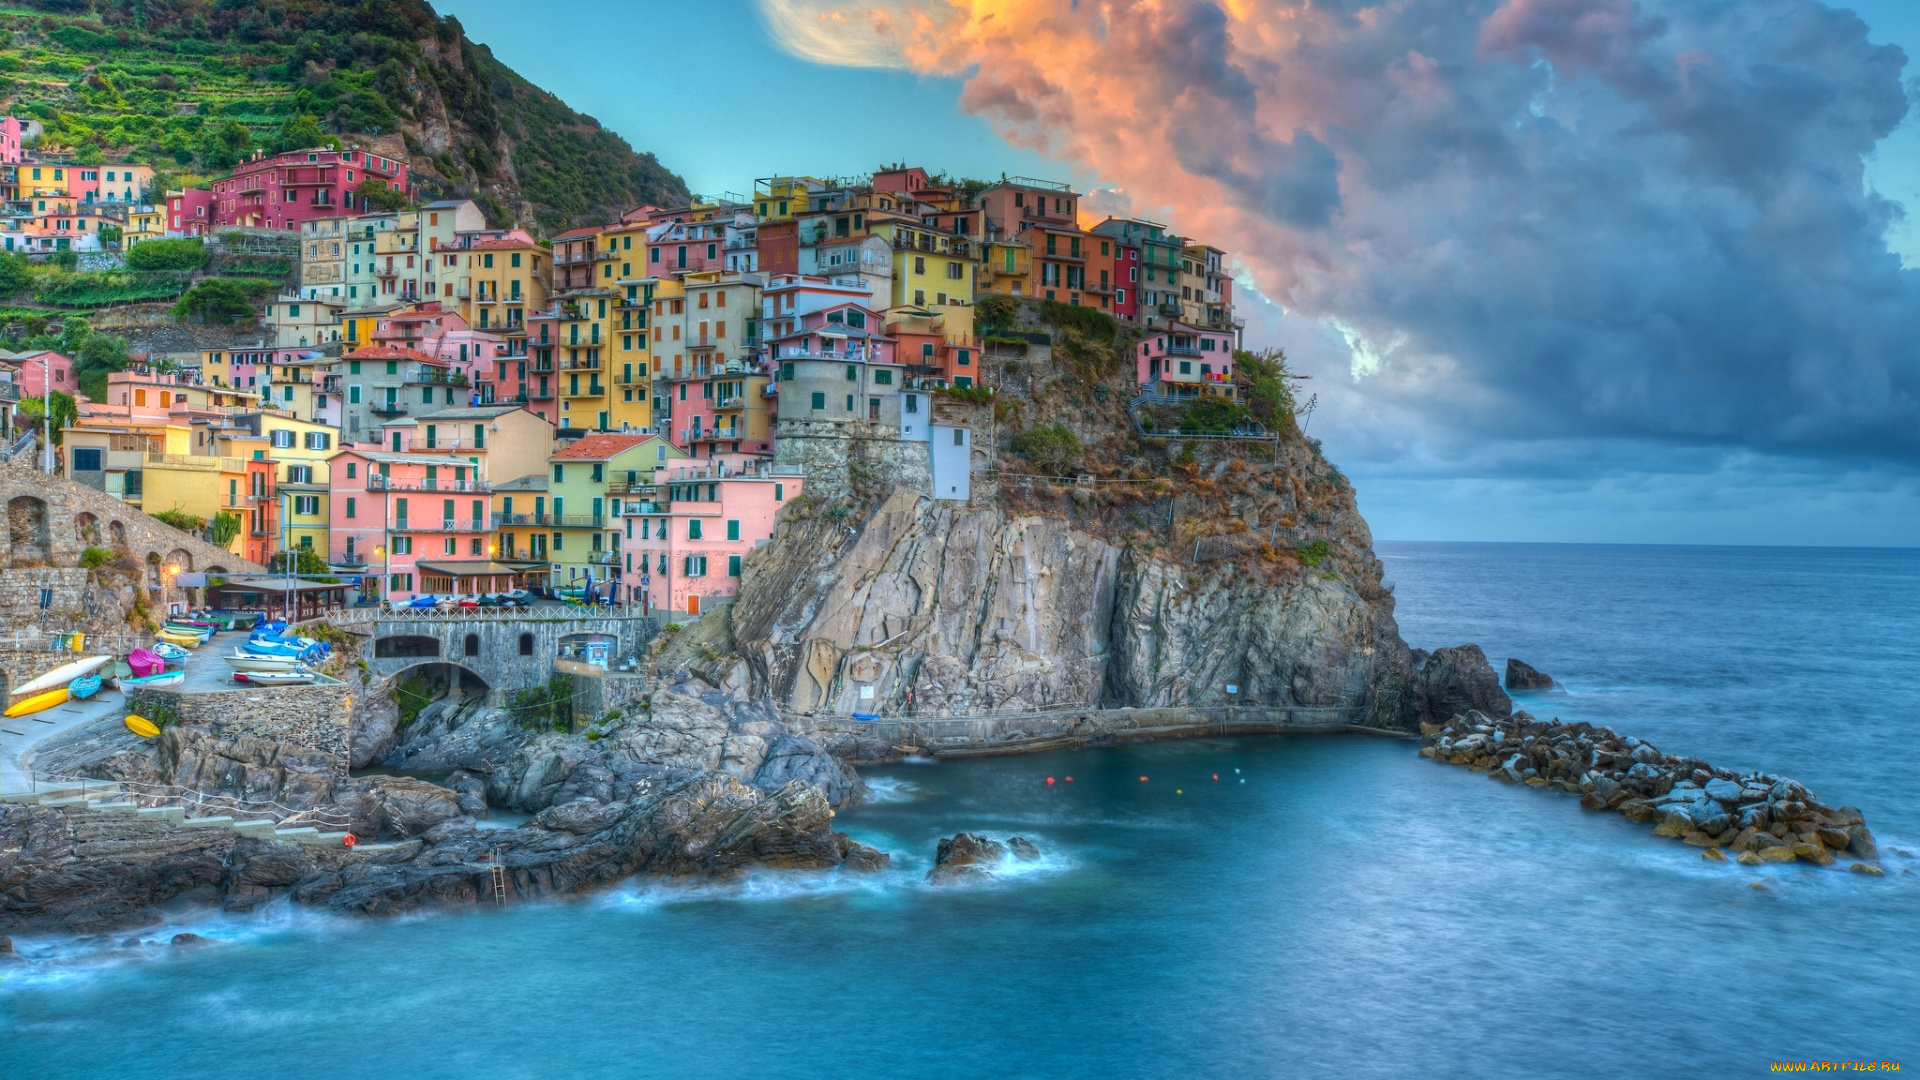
{"points": [[687, 541], [676, 247], [13, 133], [32, 369], [281, 191], [406, 517], [189, 213], [1185, 361]]}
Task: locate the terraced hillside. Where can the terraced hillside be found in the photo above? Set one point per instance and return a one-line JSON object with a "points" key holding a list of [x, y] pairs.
{"points": [[193, 85]]}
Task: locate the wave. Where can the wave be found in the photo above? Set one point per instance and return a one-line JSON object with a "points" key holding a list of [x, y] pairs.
{"points": [[889, 789]]}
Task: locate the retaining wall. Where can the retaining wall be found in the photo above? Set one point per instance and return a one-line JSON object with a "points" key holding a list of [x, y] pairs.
{"points": [[313, 716]]}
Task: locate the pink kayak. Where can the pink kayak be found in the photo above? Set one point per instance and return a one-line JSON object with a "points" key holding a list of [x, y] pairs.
{"points": [[145, 662]]}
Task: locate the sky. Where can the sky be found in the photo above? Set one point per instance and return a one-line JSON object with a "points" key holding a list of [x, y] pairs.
{"points": [[1640, 271]]}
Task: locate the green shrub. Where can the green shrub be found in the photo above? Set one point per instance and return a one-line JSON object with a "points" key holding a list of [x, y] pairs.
{"points": [[1053, 447], [188, 254], [1090, 321], [180, 519], [215, 301], [93, 558], [1212, 416], [1313, 552]]}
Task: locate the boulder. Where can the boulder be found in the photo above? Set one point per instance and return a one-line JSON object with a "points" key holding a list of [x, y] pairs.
{"points": [[1725, 791], [1455, 680], [965, 857], [1523, 676], [471, 791], [1860, 842], [394, 806], [1022, 848]]}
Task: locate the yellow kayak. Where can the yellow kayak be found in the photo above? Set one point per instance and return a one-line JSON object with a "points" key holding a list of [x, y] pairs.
{"points": [[185, 641], [38, 702], [142, 727]]}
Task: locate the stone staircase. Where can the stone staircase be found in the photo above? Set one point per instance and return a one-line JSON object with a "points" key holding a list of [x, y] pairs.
{"points": [[111, 797]]}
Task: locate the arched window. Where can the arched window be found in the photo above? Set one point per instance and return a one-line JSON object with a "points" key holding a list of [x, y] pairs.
{"points": [[473, 645], [526, 644]]}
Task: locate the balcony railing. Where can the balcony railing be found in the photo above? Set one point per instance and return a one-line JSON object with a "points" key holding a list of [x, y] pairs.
{"points": [[557, 521], [437, 525], [388, 408], [605, 558], [391, 483], [1183, 350], [430, 377], [590, 363], [347, 558]]}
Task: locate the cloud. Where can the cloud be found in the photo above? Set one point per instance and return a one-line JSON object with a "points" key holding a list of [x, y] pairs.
{"points": [[1538, 221], [842, 35]]}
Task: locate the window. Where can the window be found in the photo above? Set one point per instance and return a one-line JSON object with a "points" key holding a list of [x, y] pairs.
{"points": [[352, 470], [526, 644], [282, 438], [733, 529], [599, 474], [319, 440], [559, 474], [695, 566], [306, 505], [920, 263], [819, 401], [693, 529], [299, 474], [959, 436], [353, 394], [87, 460], [882, 377], [733, 566]]}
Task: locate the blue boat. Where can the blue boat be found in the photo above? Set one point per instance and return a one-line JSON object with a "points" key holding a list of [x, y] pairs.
{"points": [[84, 687]]}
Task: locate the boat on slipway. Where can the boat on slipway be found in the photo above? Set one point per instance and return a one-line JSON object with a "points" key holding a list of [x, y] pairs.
{"points": [[61, 676]]}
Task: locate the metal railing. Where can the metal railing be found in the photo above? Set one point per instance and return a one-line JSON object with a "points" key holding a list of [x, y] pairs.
{"points": [[377, 482], [437, 525]]}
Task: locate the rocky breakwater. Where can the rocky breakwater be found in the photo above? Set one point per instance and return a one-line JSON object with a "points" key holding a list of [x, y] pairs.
{"points": [[1758, 817], [967, 857]]}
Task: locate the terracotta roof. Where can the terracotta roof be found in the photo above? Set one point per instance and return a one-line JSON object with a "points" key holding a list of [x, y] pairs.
{"points": [[504, 242], [600, 447], [572, 234]]}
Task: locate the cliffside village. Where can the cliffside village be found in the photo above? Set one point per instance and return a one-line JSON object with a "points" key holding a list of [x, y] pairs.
{"points": [[445, 407]]}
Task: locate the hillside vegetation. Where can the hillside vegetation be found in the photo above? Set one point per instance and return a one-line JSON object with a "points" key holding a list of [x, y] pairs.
{"points": [[194, 85]]}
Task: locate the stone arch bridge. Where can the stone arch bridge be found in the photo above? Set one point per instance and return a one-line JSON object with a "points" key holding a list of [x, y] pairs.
{"points": [[509, 649]]}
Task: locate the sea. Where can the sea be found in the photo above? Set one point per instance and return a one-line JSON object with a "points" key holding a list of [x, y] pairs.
{"points": [[1246, 907]]}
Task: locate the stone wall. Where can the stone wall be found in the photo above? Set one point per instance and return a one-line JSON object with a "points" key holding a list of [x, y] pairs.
{"points": [[51, 520], [839, 459], [313, 717]]}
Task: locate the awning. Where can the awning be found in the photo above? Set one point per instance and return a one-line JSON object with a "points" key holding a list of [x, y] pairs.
{"points": [[468, 568]]}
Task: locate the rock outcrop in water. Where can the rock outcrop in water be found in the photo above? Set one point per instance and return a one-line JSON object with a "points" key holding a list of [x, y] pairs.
{"points": [[967, 857], [1761, 817], [1524, 676]]}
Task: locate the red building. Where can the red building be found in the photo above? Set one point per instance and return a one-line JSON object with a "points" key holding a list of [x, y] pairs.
{"points": [[281, 191], [189, 213], [1126, 282]]}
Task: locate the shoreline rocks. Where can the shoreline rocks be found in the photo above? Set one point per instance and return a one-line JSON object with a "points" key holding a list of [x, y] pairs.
{"points": [[1759, 817]]}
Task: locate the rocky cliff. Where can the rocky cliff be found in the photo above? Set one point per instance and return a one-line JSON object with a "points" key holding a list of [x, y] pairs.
{"points": [[1160, 573]]}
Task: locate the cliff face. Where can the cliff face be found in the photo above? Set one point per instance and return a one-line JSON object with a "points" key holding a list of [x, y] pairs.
{"points": [[1166, 572]]}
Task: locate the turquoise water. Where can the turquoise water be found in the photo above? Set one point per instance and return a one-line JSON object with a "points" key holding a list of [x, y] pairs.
{"points": [[1336, 906]]}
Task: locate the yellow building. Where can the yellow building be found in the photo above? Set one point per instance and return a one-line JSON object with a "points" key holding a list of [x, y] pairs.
{"points": [[778, 197], [506, 279], [155, 468], [930, 269], [143, 223], [294, 385], [585, 321], [520, 515], [1006, 269]]}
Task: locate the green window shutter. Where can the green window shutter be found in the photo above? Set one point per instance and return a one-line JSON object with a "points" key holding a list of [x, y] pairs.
{"points": [[733, 529], [733, 566], [693, 529], [779, 492], [350, 506]]}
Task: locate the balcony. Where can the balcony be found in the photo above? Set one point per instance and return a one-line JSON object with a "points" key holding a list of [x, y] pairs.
{"points": [[1183, 350], [554, 521], [441, 525], [433, 377], [10, 392], [593, 390], [388, 408], [1169, 310], [590, 363], [389, 483], [348, 559], [605, 558], [621, 487]]}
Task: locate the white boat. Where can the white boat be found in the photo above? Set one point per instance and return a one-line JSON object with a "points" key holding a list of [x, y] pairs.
{"points": [[241, 661], [61, 675], [274, 678]]}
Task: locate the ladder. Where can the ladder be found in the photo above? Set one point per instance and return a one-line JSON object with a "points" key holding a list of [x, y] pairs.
{"points": [[499, 884]]}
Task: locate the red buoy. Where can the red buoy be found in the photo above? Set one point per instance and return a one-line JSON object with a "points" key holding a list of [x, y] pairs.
{"points": [[349, 840], [1143, 779], [1049, 781], [1216, 777], [1069, 779]]}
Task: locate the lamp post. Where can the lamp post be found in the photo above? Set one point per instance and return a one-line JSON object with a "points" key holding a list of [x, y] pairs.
{"points": [[46, 407]]}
